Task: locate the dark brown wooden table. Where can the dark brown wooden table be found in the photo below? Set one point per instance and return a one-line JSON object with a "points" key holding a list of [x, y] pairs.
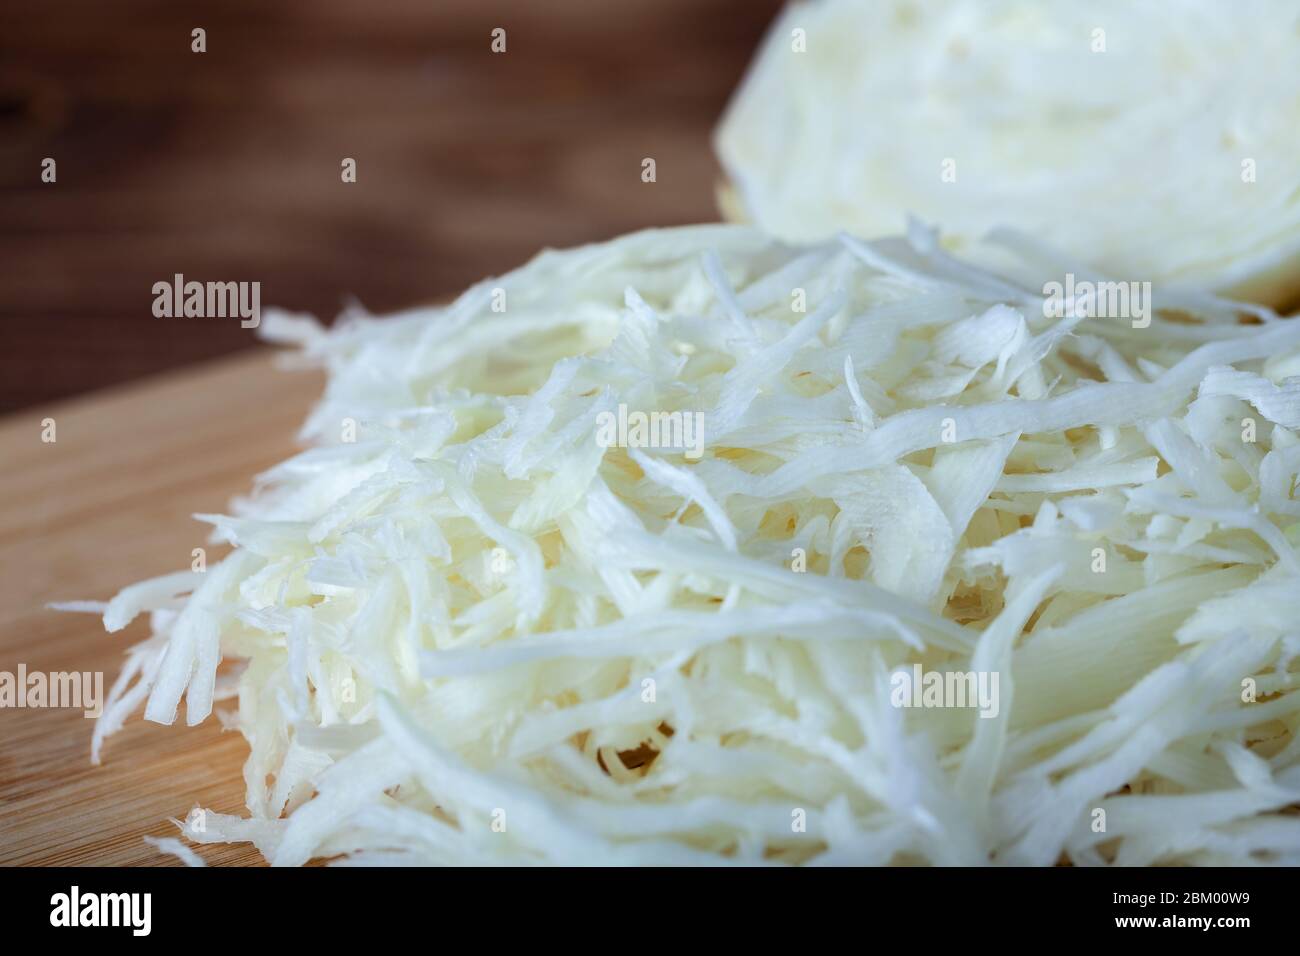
{"points": [[225, 165]]}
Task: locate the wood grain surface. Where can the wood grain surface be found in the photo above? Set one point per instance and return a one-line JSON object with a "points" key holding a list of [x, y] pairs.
{"points": [[106, 504], [225, 165]]}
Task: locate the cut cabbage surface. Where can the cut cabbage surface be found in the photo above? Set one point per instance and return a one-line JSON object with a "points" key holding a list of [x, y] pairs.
{"points": [[464, 628], [1156, 141]]}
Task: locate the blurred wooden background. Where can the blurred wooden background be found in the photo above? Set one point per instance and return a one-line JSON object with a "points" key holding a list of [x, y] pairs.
{"points": [[225, 165]]}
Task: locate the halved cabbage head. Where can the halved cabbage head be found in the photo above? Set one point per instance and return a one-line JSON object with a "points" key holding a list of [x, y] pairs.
{"points": [[1154, 141]]}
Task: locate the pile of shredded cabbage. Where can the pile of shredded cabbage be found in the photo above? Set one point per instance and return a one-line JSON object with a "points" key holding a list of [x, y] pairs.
{"points": [[1155, 140], [476, 635]]}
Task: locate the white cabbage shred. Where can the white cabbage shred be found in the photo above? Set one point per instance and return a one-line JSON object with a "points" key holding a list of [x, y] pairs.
{"points": [[1156, 141], [474, 634]]}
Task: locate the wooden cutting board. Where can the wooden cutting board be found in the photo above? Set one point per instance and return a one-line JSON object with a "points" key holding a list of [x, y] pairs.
{"points": [[107, 504]]}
